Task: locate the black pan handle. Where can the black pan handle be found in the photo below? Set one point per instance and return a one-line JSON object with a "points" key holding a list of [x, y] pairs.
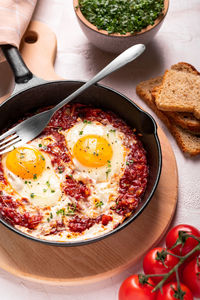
{"points": [[21, 72]]}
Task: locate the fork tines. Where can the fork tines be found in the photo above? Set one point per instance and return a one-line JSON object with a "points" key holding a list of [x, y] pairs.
{"points": [[7, 144]]}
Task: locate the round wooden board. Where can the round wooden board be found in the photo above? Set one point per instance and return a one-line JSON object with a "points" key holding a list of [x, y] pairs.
{"points": [[78, 265]]}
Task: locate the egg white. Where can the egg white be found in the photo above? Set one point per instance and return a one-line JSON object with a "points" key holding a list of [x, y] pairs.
{"points": [[42, 191], [114, 168], [103, 185]]}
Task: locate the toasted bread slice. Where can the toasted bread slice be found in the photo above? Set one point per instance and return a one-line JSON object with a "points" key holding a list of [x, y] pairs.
{"points": [[188, 142], [184, 120], [185, 67], [179, 91]]}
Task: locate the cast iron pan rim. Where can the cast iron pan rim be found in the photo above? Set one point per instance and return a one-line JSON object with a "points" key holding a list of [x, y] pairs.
{"points": [[130, 219], [82, 82]]}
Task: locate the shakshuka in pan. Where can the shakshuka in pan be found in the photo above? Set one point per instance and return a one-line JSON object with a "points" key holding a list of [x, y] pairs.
{"points": [[82, 177]]}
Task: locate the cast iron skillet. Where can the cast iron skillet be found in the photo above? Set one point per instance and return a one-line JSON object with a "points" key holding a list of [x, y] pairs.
{"points": [[31, 93]]}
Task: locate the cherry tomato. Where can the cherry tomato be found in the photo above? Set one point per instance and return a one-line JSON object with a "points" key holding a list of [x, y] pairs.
{"points": [[191, 276], [132, 289], [156, 261], [170, 292], [189, 243]]}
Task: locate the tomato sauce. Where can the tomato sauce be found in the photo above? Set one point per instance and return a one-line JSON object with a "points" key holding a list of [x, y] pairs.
{"points": [[75, 189], [134, 181], [78, 224], [8, 211], [132, 185], [2, 178]]}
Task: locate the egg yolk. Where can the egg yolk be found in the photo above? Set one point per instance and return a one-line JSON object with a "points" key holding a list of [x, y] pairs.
{"points": [[27, 163], [93, 151]]}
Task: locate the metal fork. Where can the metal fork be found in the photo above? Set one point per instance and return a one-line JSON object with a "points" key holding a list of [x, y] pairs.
{"points": [[33, 126]]}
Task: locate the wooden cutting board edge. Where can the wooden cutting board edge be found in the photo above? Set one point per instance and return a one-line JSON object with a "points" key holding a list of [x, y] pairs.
{"points": [[38, 49]]}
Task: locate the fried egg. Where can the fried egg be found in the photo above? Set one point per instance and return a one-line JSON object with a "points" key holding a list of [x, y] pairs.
{"points": [[67, 183], [97, 151], [31, 175]]}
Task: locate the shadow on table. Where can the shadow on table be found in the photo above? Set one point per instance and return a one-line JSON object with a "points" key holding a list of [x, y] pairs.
{"points": [[148, 65]]}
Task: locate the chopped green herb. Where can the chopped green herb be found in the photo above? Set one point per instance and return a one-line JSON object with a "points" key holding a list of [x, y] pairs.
{"points": [[112, 130], [22, 155], [81, 132], [99, 204], [87, 122], [40, 145], [47, 183], [42, 157], [109, 163], [61, 211], [107, 172], [51, 215], [129, 162], [121, 16], [52, 191], [71, 208], [32, 195], [44, 190], [26, 182], [35, 176], [48, 220], [60, 169], [95, 153]]}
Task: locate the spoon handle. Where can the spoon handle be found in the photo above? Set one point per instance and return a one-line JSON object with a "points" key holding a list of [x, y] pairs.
{"points": [[120, 61]]}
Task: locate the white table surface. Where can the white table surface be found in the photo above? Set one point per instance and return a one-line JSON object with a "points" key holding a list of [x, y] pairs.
{"points": [[177, 40]]}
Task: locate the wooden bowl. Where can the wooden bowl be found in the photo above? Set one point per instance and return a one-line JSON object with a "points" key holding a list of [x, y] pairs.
{"points": [[116, 42]]}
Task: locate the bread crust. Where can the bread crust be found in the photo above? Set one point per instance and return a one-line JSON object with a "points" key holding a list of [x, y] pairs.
{"points": [[182, 119], [186, 121], [177, 85], [185, 67], [188, 142]]}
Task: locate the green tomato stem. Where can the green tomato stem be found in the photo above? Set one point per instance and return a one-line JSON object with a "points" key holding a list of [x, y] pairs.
{"points": [[172, 254], [156, 275], [175, 268], [178, 279], [194, 237]]}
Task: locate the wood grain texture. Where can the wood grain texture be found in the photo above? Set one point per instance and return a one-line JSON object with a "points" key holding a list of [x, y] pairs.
{"points": [[77, 265], [40, 55]]}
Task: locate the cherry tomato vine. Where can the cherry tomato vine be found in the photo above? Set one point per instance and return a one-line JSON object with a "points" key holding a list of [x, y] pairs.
{"points": [[183, 246]]}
